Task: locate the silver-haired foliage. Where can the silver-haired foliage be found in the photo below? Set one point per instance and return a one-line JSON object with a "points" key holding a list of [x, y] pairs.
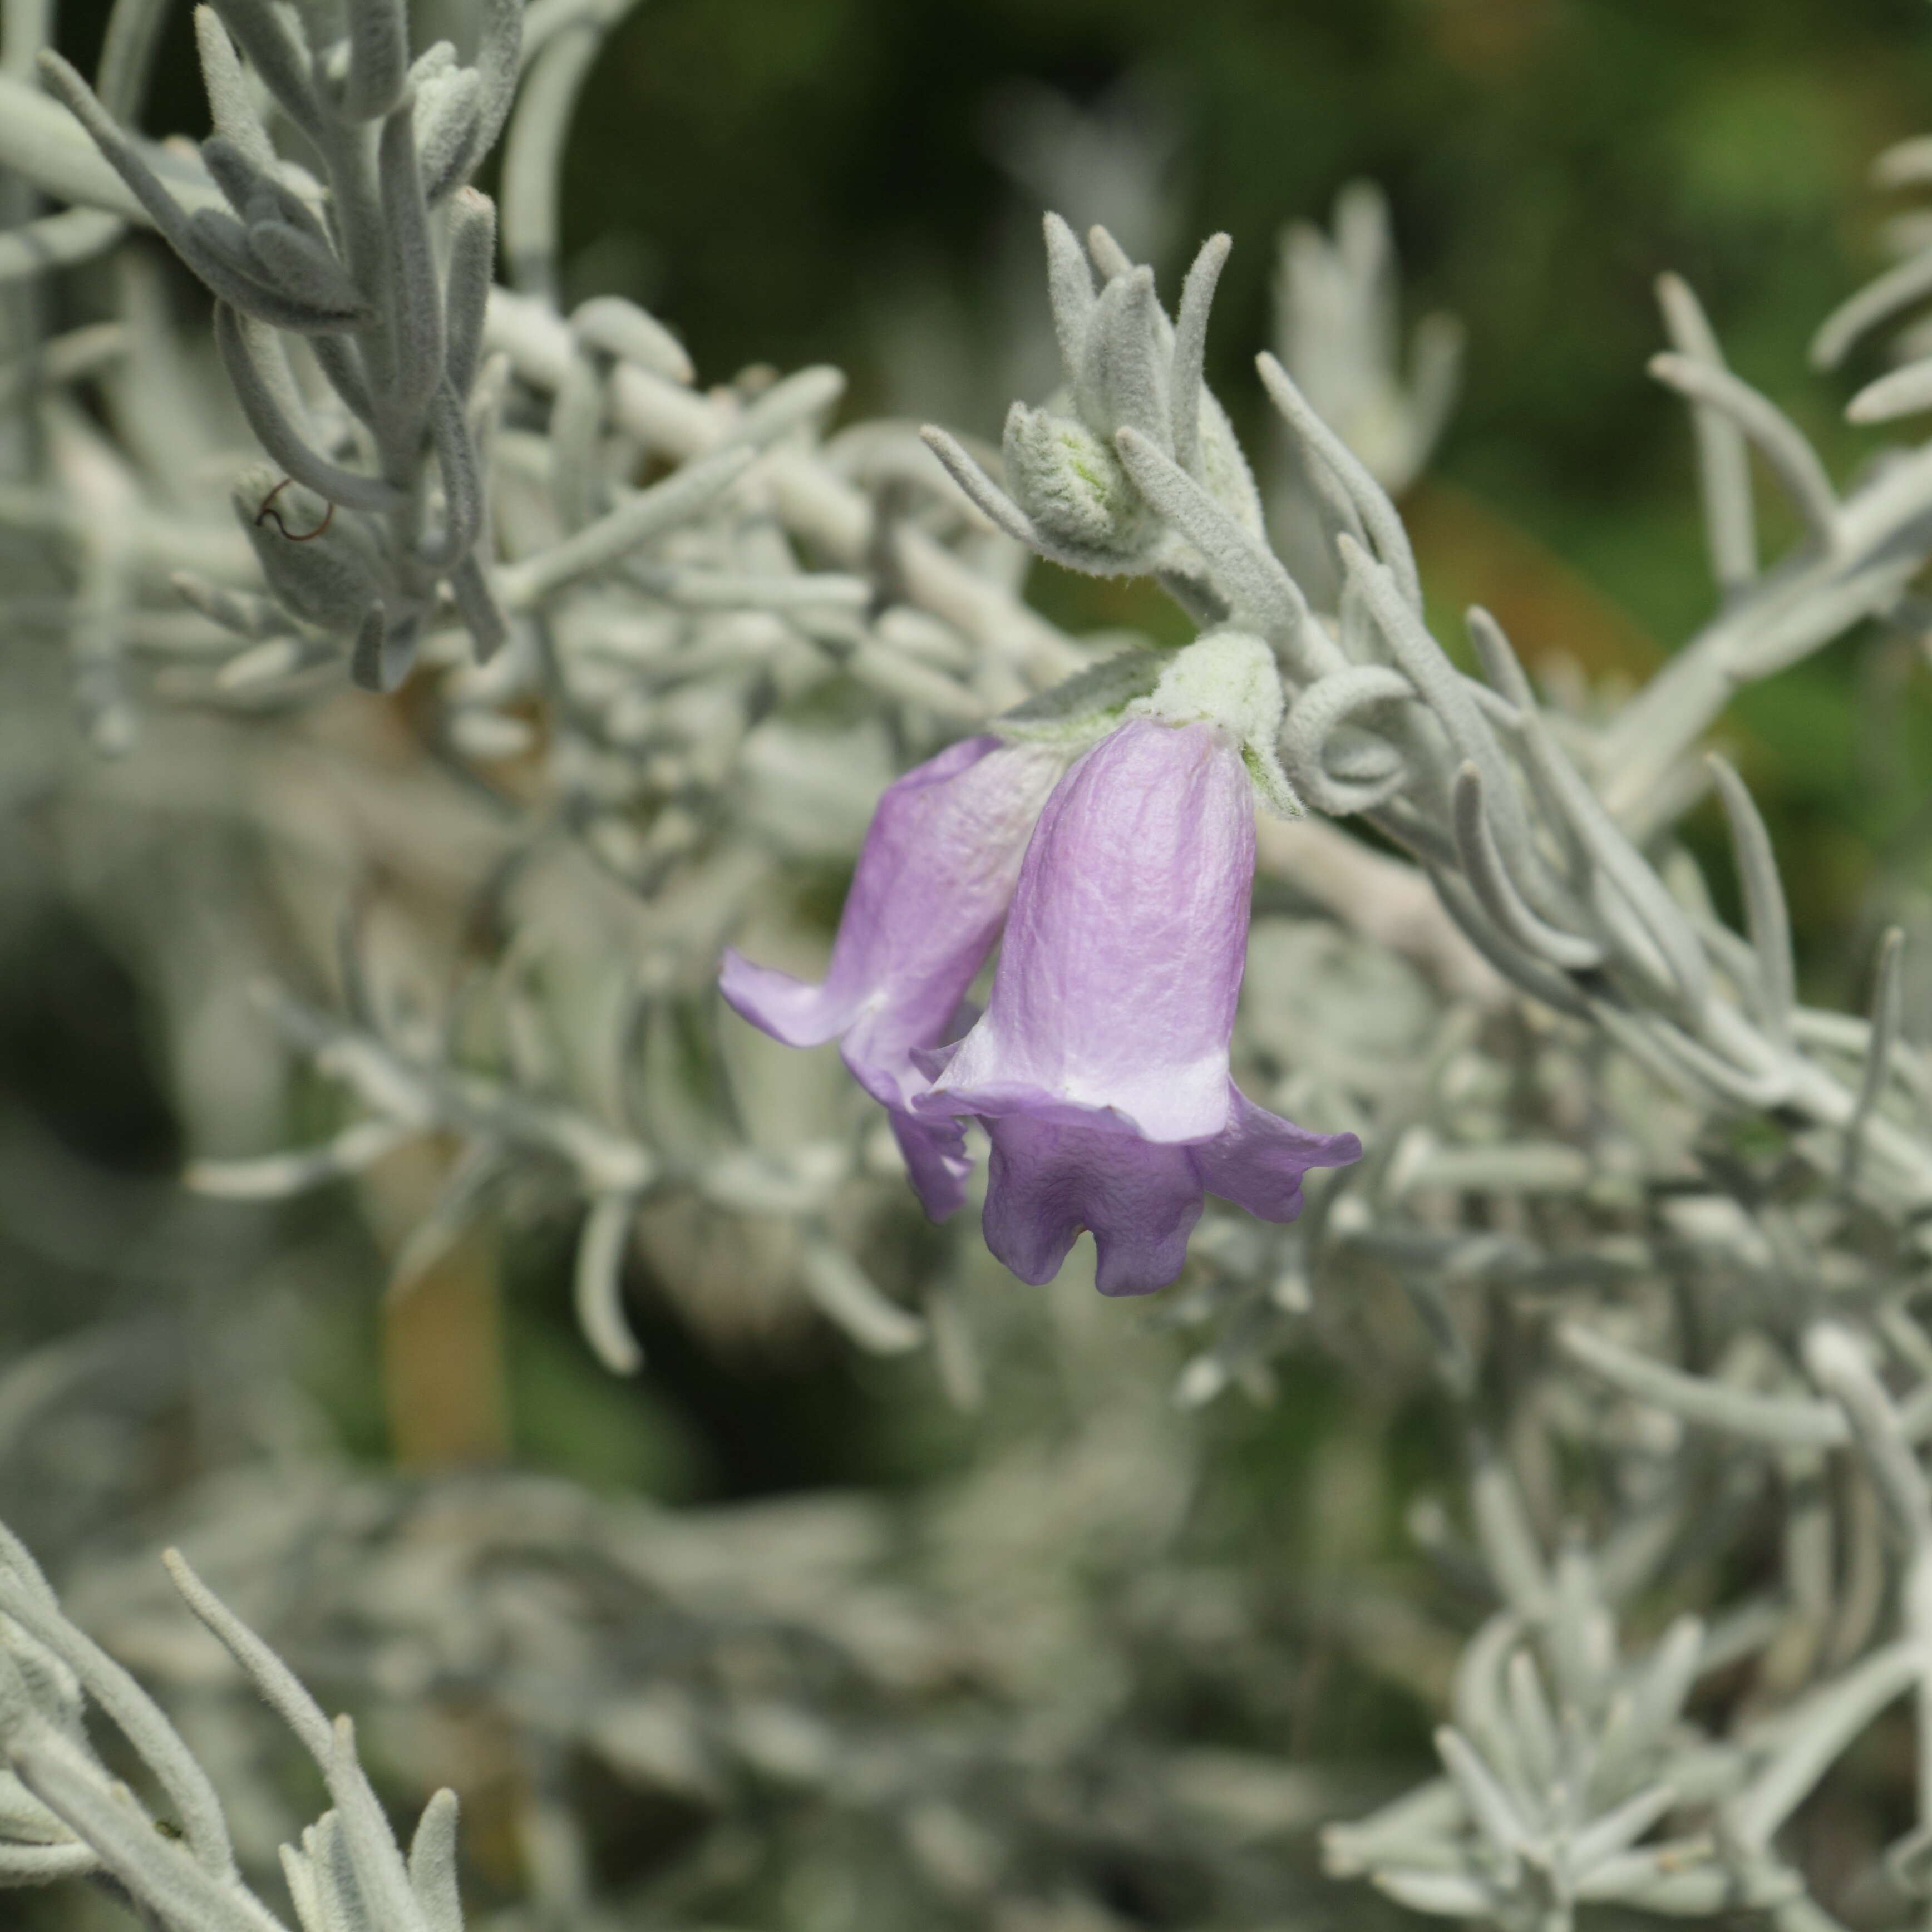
{"points": [[1653, 1228], [64, 1814]]}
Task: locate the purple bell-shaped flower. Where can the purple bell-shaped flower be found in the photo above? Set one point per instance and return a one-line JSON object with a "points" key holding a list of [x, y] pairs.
{"points": [[1101, 1067]]}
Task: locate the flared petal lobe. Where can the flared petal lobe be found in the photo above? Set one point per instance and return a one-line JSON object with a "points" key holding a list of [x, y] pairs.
{"points": [[1121, 965], [1049, 1180], [932, 885]]}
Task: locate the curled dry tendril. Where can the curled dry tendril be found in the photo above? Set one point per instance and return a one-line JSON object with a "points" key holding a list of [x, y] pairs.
{"points": [[268, 510]]}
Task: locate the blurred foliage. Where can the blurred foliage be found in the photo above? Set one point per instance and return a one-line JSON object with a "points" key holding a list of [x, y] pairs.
{"points": [[806, 180], [794, 168]]}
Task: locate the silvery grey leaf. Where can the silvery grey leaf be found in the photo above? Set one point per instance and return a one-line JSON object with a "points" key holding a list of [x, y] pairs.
{"points": [[472, 251], [373, 664], [380, 1873], [1076, 503], [433, 1864], [272, 41], [533, 152], [1792, 459], [462, 475], [986, 495], [1122, 382], [1542, 983], [1259, 592], [599, 1283], [1839, 1365], [1384, 522], [1483, 867], [305, 269], [127, 53], [1331, 705], [208, 242], [1723, 455], [1070, 292], [37, 1864], [139, 1719], [1900, 392], [340, 359], [268, 413], [1623, 867], [683, 495], [448, 109], [843, 1291], [56, 241], [1603, 1837], [1489, 1805], [1887, 1014], [379, 58], [1509, 1545], [274, 1177], [1102, 689], [322, 566], [1766, 918], [792, 403], [1443, 1894], [229, 103], [1190, 349], [415, 289], [272, 1678], [1812, 1734], [620, 328], [156, 1870], [1638, 1726], [476, 602], [1877, 303], [498, 46]]}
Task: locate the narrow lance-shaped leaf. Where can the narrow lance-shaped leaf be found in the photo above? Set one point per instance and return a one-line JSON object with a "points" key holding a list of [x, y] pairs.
{"points": [[1190, 349], [1383, 520], [1765, 915], [268, 417], [414, 291], [1793, 460], [600, 1282], [1887, 1018], [379, 58], [1723, 456]]}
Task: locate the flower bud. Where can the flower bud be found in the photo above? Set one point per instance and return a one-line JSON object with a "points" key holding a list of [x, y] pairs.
{"points": [[1073, 486]]}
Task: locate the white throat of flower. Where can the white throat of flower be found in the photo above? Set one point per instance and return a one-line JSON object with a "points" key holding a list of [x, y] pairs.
{"points": [[1230, 678]]}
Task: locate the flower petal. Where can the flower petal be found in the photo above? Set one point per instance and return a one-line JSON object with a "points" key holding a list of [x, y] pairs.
{"points": [[1051, 1177], [1258, 1162], [936, 1162], [927, 900], [1047, 1181], [1115, 992], [792, 1010]]}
